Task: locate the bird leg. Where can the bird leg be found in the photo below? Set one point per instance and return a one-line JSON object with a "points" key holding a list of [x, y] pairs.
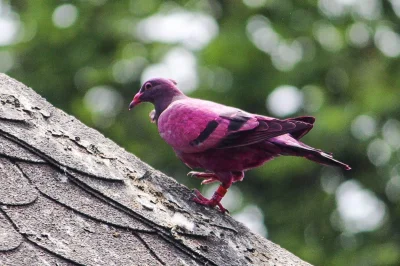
{"points": [[208, 177], [215, 199], [226, 179]]}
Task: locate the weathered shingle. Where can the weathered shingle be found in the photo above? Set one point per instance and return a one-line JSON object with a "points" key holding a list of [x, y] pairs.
{"points": [[11, 150], [15, 188], [10, 239], [30, 254], [76, 237], [70, 196], [57, 186]]}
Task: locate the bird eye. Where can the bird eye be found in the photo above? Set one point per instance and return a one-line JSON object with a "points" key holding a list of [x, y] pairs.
{"points": [[147, 86]]}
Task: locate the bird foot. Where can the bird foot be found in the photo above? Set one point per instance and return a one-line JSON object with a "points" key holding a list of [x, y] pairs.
{"points": [[200, 199], [208, 177]]}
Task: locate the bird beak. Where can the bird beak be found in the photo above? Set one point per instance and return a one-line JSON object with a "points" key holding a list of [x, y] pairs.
{"points": [[135, 101]]}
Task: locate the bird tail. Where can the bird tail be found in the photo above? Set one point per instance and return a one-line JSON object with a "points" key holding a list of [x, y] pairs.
{"points": [[325, 158], [314, 155]]}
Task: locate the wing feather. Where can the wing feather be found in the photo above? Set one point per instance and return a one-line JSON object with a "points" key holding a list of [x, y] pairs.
{"points": [[193, 125], [267, 129]]}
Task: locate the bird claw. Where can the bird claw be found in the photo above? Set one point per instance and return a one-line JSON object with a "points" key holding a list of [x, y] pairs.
{"points": [[208, 177], [200, 174], [200, 199], [193, 173], [209, 181]]}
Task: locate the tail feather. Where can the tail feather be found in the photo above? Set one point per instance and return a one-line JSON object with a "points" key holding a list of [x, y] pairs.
{"points": [[310, 153], [325, 158]]}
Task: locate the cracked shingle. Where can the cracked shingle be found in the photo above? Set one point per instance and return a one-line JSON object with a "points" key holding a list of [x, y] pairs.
{"points": [[10, 107]]}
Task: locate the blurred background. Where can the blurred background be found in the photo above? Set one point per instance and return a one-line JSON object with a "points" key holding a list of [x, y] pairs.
{"points": [[337, 60]]}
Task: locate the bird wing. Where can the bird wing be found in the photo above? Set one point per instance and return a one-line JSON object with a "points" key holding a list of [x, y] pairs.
{"points": [[268, 128], [193, 125]]}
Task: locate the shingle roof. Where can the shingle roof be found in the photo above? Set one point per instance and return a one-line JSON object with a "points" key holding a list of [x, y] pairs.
{"points": [[70, 196]]}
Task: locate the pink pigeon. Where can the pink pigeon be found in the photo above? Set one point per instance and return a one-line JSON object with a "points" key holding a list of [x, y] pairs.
{"points": [[223, 140]]}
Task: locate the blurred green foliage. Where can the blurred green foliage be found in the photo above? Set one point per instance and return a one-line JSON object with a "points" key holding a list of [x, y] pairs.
{"points": [[89, 58]]}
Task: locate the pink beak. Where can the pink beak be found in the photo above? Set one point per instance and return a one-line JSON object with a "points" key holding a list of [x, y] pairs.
{"points": [[135, 101]]}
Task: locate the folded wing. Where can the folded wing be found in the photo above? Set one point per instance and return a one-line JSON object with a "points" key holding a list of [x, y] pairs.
{"points": [[193, 125], [267, 128]]}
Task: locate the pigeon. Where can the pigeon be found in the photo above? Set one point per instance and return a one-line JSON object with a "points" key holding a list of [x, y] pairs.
{"points": [[223, 140]]}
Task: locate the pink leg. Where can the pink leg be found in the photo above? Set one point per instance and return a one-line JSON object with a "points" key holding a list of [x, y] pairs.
{"points": [[227, 179]]}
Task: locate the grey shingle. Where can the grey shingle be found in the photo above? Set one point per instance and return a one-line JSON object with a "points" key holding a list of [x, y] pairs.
{"points": [[12, 150], [9, 238], [15, 188], [29, 254], [57, 186], [76, 237]]}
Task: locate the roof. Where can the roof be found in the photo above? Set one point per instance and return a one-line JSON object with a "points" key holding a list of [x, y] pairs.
{"points": [[70, 196]]}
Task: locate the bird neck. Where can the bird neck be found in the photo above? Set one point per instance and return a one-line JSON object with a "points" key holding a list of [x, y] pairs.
{"points": [[163, 103]]}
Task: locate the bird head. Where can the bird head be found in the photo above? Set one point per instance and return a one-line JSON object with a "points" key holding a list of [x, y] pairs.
{"points": [[157, 91]]}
